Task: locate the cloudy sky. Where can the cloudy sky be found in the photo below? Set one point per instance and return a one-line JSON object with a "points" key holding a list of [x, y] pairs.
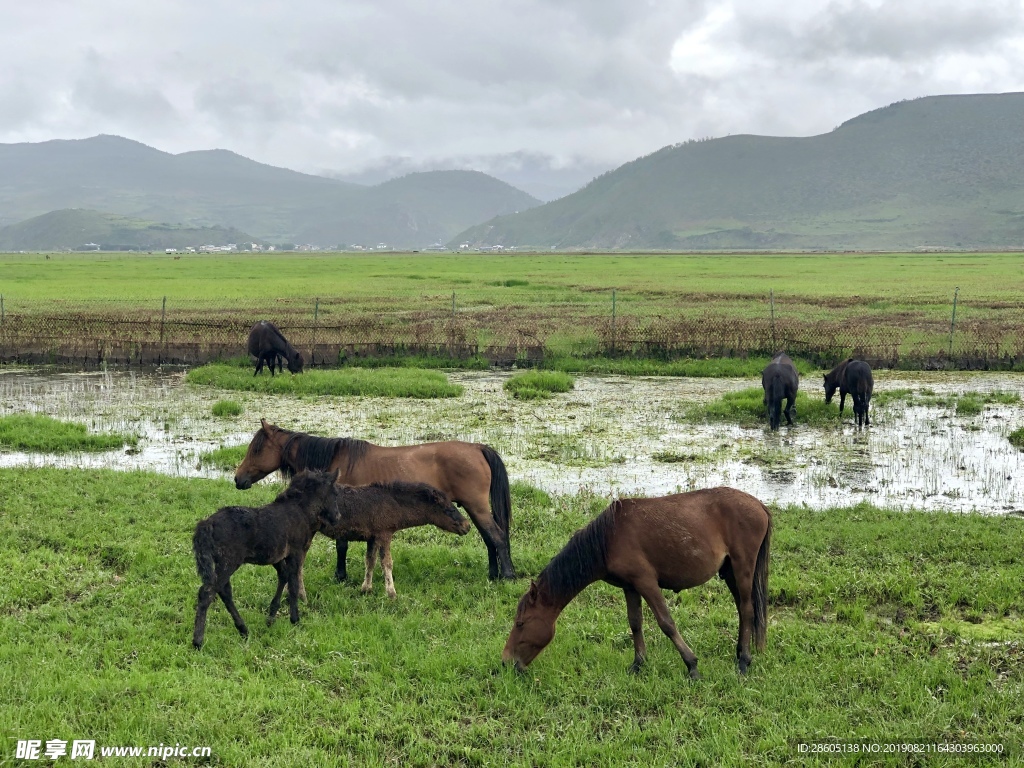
{"points": [[571, 86]]}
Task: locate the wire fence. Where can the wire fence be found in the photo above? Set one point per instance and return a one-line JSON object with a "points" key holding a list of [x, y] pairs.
{"points": [[524, 327]]}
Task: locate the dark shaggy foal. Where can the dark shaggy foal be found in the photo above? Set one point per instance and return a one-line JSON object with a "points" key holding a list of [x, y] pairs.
{"points": [[278, 534], [373, 513]]}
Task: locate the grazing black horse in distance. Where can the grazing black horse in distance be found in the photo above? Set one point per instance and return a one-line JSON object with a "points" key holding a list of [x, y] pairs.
{"points": [[853, 377], [267, 344], [780, 380]]}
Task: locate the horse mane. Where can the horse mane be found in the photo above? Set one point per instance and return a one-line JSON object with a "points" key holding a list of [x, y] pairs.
{"points": [[273, 329], [312, 452], [583, 560]]}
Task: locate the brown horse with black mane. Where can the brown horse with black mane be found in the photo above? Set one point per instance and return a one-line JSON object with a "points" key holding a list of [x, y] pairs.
{"points": [[647, 545], [471, 474]]}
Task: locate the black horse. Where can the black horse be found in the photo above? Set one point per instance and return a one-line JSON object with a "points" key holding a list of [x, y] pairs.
{"points": [[268, 345], [780, 380], [853, 377]]}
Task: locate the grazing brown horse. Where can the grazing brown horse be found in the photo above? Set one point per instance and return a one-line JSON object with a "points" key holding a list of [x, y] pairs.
{"points": [[472, 475], [278, 534], [852, 377], [647, 545], [780, 380], [373, 513]]}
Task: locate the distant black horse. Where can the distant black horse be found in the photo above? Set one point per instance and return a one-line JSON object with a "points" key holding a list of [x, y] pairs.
{"points": [[853, 377], [780, 380], [267, 344]]}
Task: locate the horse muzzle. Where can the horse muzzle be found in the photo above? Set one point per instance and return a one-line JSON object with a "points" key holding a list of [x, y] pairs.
{"points": [[243, 483]]}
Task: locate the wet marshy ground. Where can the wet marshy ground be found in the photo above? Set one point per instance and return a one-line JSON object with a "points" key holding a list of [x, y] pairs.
{"points": [[613, 435]]}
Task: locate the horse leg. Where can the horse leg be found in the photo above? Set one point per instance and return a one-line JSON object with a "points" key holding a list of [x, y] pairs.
{"points": [[301, 584], [842, 400], [207, 595], [741, 593], [867, 418], [275, 604], [293, 571], [341, 569], [634, 611], [259, 365], [229, 603], [371, 560], [789, 409], [388, 564], [651, 592], [499, 556]]}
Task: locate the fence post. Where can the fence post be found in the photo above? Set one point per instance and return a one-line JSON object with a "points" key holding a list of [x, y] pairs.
{"points": [[771, 300], [952, 322], [614, 339], [316, 322]]}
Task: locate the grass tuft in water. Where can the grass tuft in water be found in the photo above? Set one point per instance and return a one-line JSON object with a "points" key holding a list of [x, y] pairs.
{"points": [[536, 385], [746, 408], [35, 432], [227, 457], [1016, 438], [380, 382], [225, 408]]}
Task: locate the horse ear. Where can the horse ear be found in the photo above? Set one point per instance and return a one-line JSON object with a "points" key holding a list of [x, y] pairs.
{"points": [[533, 591], [264, 425]]}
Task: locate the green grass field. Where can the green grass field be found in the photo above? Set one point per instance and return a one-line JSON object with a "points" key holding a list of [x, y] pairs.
{"points": [[221, 279], [647, 306], [883, 627]]}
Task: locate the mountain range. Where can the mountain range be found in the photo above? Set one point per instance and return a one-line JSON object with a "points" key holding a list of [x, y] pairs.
{"points": [[937, 171], [217, 188]]}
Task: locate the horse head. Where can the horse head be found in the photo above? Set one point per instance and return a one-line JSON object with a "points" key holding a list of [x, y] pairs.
{"points": [[265, 455], [295, 362], [534, 628]]}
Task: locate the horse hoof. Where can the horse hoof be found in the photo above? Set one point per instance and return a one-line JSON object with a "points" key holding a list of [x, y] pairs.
{"points": [[635, 667], [340, 576], [197, 644], [270, 620], [694, 674]]}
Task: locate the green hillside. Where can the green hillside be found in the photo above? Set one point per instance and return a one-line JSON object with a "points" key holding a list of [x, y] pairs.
{"points": [[221, 189], [937, 171], [74, 228]]}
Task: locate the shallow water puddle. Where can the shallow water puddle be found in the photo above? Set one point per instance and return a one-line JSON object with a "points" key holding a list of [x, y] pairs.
{"points": [[613, 435]]}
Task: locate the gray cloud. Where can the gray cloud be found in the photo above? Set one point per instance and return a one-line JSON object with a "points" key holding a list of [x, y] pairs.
{"points": [[587, 84]]}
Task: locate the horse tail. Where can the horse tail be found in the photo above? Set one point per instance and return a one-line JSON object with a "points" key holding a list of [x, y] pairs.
{"points": [[203, 547], [501, 495], [760, 591]]}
